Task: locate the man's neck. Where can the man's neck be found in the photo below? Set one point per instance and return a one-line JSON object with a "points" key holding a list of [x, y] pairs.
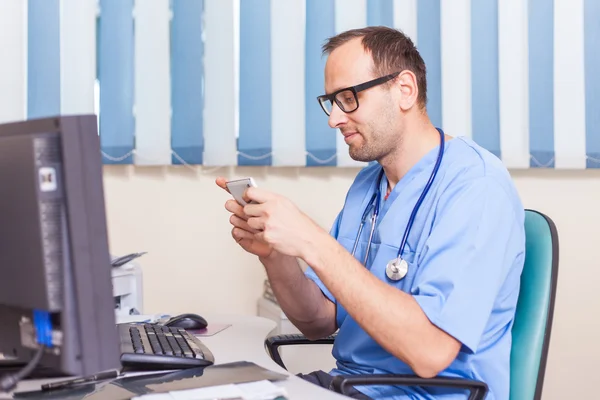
{"points": [[417, 141]]}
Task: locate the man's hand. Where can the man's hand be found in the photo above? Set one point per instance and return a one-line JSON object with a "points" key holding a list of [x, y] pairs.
{"points": [[241, 232], [273, 231], [278, 222]]}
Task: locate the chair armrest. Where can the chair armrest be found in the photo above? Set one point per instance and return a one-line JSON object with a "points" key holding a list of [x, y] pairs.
{"points": [[342, 383], [274, 342]]}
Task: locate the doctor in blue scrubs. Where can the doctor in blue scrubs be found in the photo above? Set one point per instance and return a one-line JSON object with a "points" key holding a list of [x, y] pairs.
{"points": [[420, 271]]}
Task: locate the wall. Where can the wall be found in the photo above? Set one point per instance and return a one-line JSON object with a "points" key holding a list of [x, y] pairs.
{"points": [[193, 265]]}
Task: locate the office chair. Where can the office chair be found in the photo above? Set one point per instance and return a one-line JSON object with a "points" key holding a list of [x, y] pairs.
{"points": [[530, 332]]}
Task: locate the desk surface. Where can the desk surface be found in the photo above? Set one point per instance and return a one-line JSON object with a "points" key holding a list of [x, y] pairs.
{"points": [[243, 341]]}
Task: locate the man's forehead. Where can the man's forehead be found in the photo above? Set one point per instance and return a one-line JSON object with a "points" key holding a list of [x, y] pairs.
{"points": [[347, 65]]}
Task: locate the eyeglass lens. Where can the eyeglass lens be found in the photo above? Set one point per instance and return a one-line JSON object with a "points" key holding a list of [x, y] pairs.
{"points": [[346, 101]]}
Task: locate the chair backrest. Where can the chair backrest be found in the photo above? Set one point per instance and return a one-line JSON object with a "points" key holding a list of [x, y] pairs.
{"points": [[535, 308]]}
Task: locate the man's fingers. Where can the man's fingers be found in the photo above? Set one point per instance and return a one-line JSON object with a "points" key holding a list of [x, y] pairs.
{"points": [[240, 223], [257, 195], [260, 236], [257, 224], [222, 183], [252, 210], [240, 234], [235, 208]]}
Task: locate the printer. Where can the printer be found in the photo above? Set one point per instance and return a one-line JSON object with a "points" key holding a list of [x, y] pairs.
{"points": [[127, 290]]}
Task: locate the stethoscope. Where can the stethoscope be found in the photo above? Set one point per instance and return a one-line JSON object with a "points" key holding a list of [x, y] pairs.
{"points": [[397, 268]]}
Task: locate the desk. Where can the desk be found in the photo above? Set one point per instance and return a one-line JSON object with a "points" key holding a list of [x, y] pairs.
{"points": [[242, 341]]}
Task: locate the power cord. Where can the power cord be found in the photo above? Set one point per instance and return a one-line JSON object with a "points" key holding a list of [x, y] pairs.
{"points": [[9, 382], [43, 329]]}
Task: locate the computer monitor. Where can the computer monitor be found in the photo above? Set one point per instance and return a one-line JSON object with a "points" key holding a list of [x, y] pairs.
{"points": [[54, 257]]}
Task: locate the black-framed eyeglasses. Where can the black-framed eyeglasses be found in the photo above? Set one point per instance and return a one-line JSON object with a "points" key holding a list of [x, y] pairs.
{"points": [[347, 98]]}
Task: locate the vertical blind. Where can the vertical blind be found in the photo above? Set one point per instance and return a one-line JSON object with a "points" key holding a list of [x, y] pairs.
{"points": [[234, 82]]}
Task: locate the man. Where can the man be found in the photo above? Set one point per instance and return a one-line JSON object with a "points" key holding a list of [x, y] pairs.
{"points": [[445, 305]]}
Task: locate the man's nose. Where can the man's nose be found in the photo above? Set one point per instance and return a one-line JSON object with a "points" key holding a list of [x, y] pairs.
{"points": [[337, 117]]}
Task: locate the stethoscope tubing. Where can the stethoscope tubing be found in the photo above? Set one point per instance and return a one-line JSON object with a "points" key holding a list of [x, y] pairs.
{"points": [[374, 205]]}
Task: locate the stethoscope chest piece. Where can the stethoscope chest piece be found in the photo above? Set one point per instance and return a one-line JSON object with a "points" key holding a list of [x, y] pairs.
{"points": [[396, 269]]}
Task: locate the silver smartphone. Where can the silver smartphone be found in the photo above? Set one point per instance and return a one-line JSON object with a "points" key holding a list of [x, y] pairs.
{"points": [[237, 188]]}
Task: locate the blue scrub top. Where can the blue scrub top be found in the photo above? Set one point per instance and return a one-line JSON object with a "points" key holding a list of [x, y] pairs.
{"points": [[465, 253]]}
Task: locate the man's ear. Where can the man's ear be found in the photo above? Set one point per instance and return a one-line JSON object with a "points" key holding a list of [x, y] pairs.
{"points": [[407, 82]]}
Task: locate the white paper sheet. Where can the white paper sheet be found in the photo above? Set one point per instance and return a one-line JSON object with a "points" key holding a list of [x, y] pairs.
{"points": [[260, 390]]}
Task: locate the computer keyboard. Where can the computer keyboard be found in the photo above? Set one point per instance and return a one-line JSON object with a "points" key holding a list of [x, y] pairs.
{"points": [[159, 347]]}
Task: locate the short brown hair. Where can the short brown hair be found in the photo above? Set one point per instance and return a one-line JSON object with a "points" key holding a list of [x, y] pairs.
{"points": [[392, 51]]}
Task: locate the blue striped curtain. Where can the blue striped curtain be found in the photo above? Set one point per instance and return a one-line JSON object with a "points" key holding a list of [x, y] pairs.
{"points": [[234, 82]]}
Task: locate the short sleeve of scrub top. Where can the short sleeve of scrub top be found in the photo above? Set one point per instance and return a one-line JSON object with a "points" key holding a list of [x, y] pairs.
{"points": [[310, 273], [465, 261]]}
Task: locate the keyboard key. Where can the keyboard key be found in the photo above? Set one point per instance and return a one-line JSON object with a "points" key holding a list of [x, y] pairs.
{"points": [[197, 351], [156, 349], [187, 351], [174, 345], [138, 347], [164, 344], [136, 340]]}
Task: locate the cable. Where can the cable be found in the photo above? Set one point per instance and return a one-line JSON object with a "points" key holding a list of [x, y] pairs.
{"points": [[43, 329], [10, 381]]}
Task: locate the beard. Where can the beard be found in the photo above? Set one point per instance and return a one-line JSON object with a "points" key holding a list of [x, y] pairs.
{"points": [[364, 151], [370, 147], [378, 137]]}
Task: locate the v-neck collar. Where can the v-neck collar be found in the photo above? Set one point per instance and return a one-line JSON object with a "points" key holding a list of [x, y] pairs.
{"points": [[427, 162]]}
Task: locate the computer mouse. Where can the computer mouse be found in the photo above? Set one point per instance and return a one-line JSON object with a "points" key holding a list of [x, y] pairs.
{"points": [[187, 321]]}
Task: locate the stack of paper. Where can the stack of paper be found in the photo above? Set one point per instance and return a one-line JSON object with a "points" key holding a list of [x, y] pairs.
{"points": [[260, 390]]}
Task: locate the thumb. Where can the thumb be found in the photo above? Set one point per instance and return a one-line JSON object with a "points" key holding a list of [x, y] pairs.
{"points": [[258, 195], [222, 183]]}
